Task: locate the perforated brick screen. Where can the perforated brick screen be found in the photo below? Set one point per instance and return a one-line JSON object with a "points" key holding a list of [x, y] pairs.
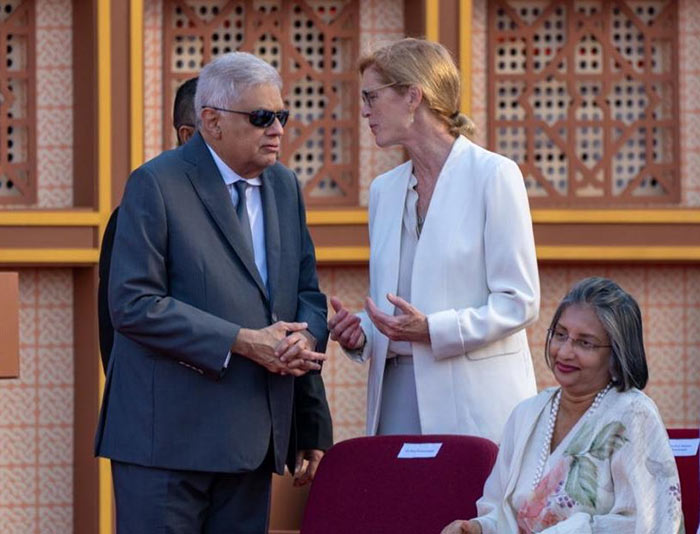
{"points": [[583, 94], [17, 108], [313, 44]]}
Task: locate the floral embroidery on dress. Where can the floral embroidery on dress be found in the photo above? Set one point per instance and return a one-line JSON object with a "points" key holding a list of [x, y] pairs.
{"points": [[675, 509], [558, 494], [538, 509], [582, 481]]}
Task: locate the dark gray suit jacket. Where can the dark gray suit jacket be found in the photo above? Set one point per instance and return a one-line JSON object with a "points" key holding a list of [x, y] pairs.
{"points": [[182, 284]]}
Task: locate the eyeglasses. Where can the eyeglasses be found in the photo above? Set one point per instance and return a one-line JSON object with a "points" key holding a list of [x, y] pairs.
{"points": [[559, 338], [368, 95], [260, 118]]}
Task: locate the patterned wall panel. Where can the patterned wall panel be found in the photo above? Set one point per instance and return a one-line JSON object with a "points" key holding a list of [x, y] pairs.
{"points": [[670, 300], [668, 295], [345, 379], [689, 102], [585, 98], [36, 104], [17, 112], [379, 21], [479, 73], [36, 418], [689, 94], [157, 120], [313, 44], [54, 104]]}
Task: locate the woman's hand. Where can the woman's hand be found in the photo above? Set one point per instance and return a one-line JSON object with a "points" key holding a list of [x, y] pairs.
{"points": [[345, 327], [410, 325], [462, 527]]}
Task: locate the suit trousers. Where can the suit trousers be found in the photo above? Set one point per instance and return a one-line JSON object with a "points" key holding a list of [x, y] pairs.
{"points": [[399, 408], [169, 501]]}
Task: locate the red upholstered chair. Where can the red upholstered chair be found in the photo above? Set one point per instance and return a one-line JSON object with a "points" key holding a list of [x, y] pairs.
{"points": [[689, 472], [361, 485]]}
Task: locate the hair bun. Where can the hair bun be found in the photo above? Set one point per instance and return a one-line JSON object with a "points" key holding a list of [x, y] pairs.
{"points": [[462, 125]]}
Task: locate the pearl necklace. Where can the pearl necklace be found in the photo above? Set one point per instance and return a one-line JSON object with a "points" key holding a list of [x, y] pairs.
{"points": [[553, 412]]}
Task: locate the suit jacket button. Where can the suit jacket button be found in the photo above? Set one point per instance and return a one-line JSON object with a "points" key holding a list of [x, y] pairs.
{"points": [[274, 317]]}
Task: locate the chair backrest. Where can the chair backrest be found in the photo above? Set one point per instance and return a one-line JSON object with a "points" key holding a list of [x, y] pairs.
{"points": [[689, 473], [362, 486]]}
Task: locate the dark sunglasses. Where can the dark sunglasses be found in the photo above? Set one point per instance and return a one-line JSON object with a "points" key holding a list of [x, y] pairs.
{"points": [[260, 118]]}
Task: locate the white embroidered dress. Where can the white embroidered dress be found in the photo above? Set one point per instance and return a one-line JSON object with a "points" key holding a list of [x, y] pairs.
{"points": [[613, 473]]}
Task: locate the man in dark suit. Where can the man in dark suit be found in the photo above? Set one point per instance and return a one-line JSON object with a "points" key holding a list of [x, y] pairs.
{"points": [[214, 296]]}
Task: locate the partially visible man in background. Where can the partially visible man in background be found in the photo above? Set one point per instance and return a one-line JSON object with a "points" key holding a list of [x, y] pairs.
{"points": [[184, 120]]}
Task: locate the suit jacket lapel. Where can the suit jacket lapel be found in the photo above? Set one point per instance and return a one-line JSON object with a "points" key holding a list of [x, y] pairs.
{"points": [[212, 191], [272, 231]]}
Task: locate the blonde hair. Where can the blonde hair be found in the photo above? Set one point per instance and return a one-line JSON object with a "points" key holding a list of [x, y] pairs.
{"points": [[427, 65]]}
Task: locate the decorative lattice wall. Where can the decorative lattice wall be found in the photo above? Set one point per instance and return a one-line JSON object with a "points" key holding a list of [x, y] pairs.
{"points": [[17, 108], [313, 44], [584, 96]]}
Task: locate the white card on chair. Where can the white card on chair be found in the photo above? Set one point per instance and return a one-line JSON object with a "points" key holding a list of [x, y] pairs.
{"points": [[684, 447], [419, 450]]}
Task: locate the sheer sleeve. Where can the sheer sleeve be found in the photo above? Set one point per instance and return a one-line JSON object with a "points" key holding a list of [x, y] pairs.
{"points": [[489, 505]]}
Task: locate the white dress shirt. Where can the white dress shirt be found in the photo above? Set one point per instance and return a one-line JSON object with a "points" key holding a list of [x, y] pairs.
{"points": [[409, 242], [253, 203]]}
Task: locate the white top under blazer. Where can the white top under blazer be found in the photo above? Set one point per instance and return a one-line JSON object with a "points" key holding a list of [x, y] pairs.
{"points": [[474, 276]]}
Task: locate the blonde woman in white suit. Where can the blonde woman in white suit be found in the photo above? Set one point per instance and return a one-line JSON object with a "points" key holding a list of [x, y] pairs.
{"points": [[453, 271]]}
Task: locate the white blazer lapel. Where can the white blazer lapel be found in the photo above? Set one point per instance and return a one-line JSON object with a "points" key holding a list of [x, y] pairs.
{"points": [[438, 219], [387, 200], [442, 186], [386, 237]]}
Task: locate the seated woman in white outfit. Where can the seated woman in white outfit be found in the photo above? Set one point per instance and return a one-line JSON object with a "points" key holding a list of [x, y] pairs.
{"points": [[453, 270], [590, 456]]}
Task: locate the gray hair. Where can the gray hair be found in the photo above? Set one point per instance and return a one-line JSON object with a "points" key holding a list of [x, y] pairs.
{"points": [[621, 318], [225, 78]]}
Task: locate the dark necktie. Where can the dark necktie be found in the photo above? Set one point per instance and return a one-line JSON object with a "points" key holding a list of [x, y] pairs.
{"points": [[242, 212]]}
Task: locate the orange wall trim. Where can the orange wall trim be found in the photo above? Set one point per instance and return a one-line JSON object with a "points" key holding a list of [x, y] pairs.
{"points": [[73, 217], [47, 256], [539, 216], [621, 253], [330, 255], [9, 325], [432, 20], [104, 54]]}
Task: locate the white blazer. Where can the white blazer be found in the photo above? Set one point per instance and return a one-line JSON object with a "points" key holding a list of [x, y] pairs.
{"points": [[474, 276]]}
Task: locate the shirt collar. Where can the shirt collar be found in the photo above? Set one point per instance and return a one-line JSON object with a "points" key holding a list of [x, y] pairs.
{"points": [[227, 173]]}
